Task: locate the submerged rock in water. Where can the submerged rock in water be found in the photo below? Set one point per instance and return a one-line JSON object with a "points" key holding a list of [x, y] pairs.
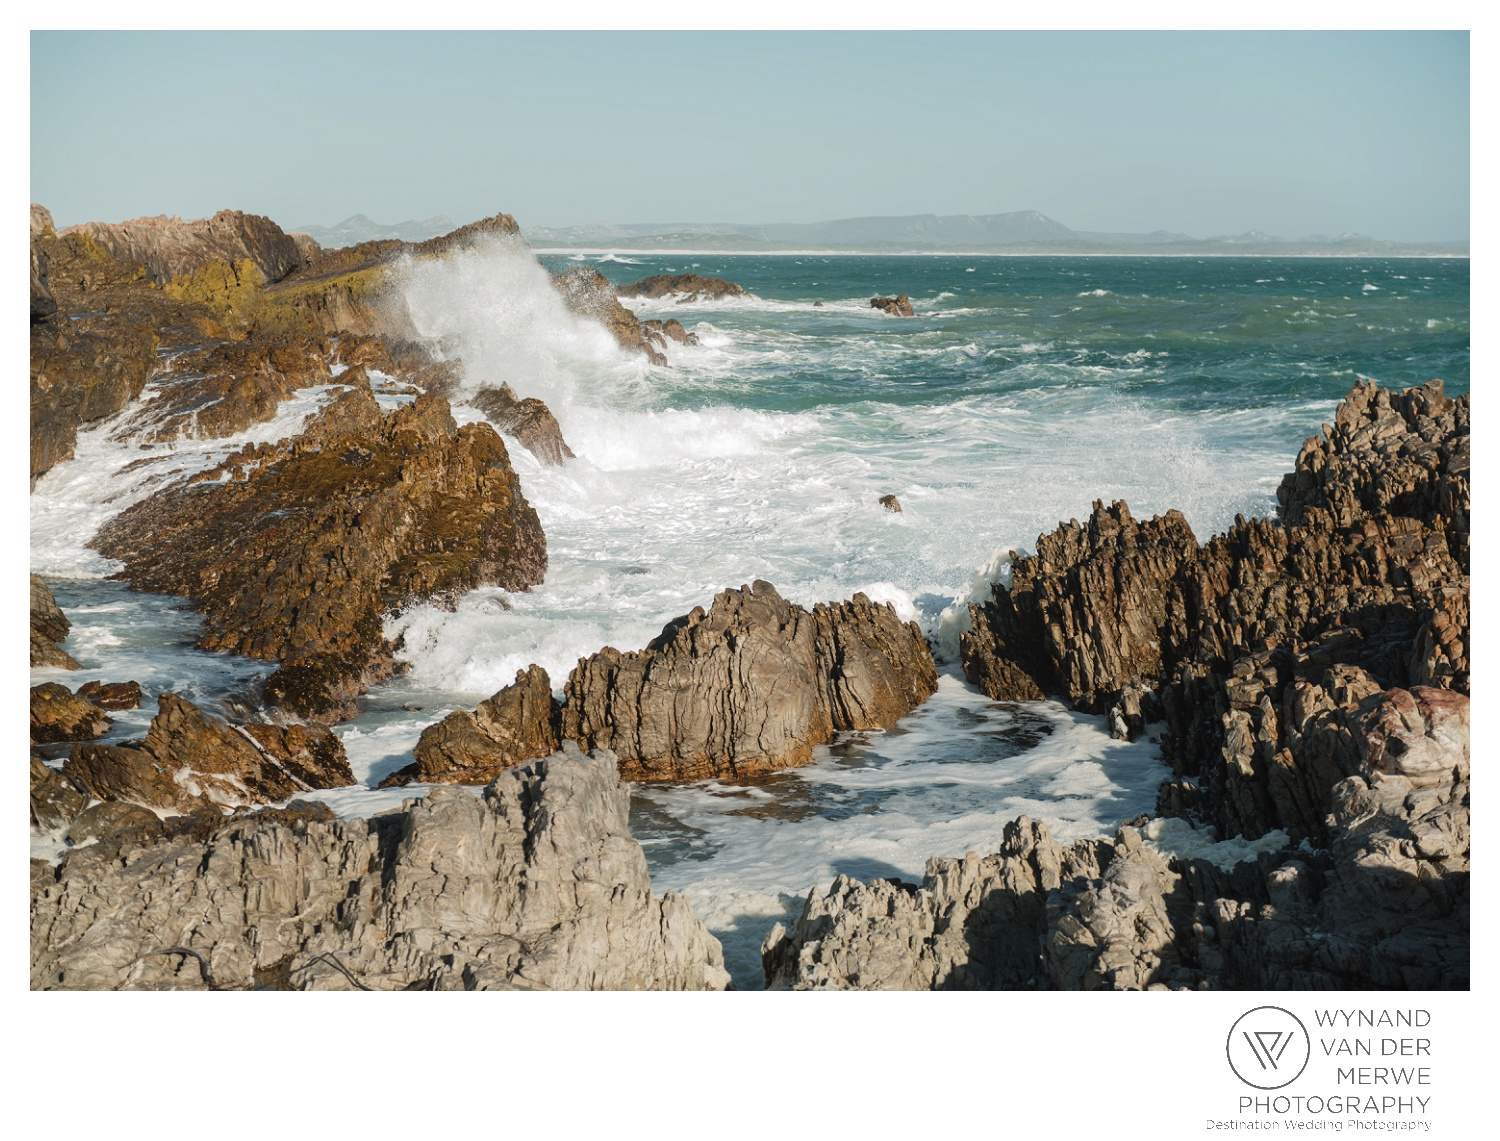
{"points": [[294, 550], [899, 306], [1386, 905], [518, 724], [752, 685], [690, 286], [535, 885], [1243, 638], [49, 627], [891, 504], [529, 421], [190, 758]]}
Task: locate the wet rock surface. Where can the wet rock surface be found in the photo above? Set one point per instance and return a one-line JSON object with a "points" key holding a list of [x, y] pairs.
{"points": [[58, 714], [1366, 571], [751, 685], [1385, 904], [518, 724], [535, 885], [294, 550], [190, 759], [530, 421], [588, 293], [49, 627], [898, 306], [690, 286]]}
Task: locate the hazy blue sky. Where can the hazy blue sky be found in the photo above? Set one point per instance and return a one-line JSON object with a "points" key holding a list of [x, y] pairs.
{"points": [[1206, 133]]}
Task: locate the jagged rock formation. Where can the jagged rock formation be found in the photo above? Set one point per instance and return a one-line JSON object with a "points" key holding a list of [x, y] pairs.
{"points": [[49, 626], [689, 285], [293, 550], [537, 884], [518, 724], [58, 714], [588, 293], [43, 304], [530, 421], [891, 504], [1385, 905], [171, 247], [190, 759], [1360, 586], [898, 306], [750, 686]]}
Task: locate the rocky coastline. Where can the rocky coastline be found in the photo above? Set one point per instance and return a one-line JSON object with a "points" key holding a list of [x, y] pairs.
{"points": [[1308, 674], [1311, 671]]}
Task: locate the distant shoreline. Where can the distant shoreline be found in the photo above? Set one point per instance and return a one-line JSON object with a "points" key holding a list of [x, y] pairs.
{"points": [[588, 251]]}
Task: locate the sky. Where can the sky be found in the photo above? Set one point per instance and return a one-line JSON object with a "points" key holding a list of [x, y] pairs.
{"points": [[1210, 133]]}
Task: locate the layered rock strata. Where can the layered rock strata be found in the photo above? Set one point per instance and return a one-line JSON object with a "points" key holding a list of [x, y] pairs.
{"points": [[191, 759], [294, 550], [535, 885], [1385, 905], [171, 247], [49, 628], [1361, 585], [530, 421], [751, 685], [518, 724]]}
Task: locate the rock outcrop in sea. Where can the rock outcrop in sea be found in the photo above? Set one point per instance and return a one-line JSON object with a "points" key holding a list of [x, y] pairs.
{"points": [[898, 306], [191, 759], [530, 421], [49, 628], [536, 884], [294, 550], [686, 287], [751, 685], [1312, 673]]}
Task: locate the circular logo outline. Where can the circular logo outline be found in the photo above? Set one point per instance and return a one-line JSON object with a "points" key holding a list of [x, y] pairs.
{"points": [[1257, 1048]]}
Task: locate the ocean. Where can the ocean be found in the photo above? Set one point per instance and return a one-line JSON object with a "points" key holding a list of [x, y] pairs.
{"points": [[1024, 389]]}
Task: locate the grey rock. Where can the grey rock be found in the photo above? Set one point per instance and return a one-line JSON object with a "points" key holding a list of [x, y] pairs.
{"points": [[536, 884]]}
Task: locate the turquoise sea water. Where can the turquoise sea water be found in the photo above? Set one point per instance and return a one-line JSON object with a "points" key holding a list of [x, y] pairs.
{"points": [[1024, 389]]}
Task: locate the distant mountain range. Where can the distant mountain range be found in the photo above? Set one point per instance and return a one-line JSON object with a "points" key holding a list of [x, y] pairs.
{"points": [[359, 228], [1022, 231]]}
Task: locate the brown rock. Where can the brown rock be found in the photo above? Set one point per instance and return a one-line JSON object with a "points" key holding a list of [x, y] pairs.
{"points": [[690, 285], [43, 304], [108, 819], [529, 421], [294, 550], [112, 695], [891, 503], [899, 306], [171, 247], [588, 293], [190, 758], [49, 626], [1266, 644], [750, 686], [54, 800], [57, 714], [520, 723]]}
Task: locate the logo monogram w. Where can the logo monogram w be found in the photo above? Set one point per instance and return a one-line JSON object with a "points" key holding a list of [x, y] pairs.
{"points": [[1267, 1046]]}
